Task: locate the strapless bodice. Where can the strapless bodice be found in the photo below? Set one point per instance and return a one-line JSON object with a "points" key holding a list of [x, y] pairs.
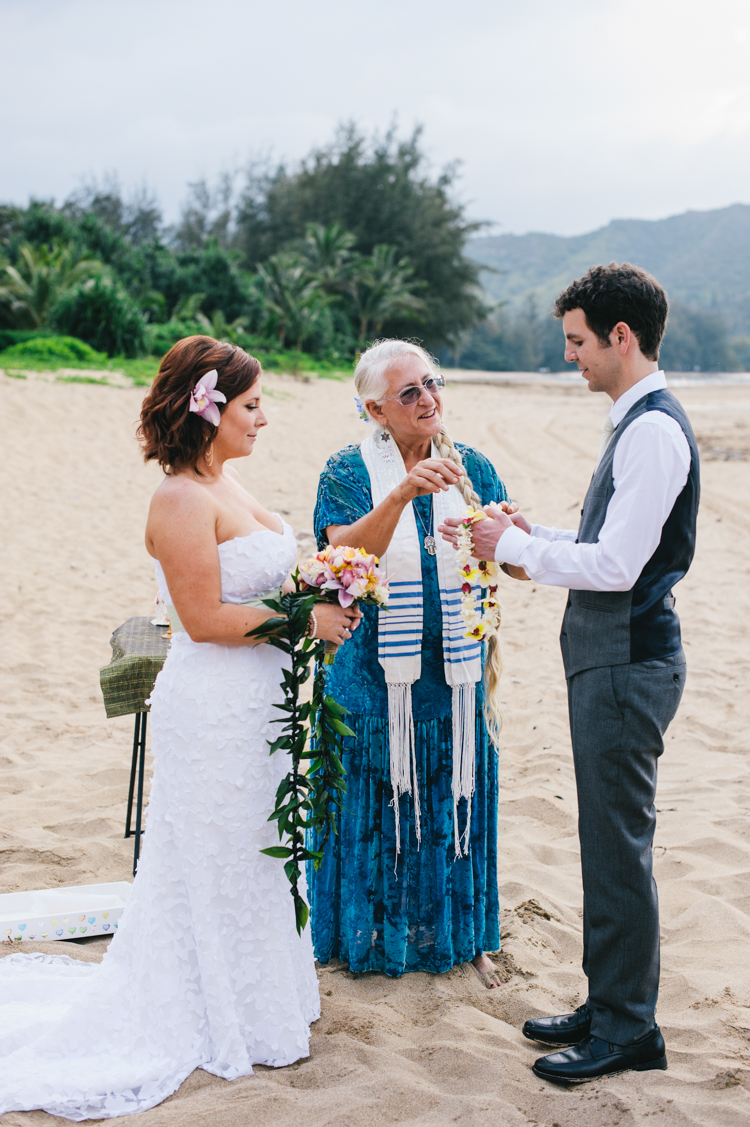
{"points": [[250, 565]]}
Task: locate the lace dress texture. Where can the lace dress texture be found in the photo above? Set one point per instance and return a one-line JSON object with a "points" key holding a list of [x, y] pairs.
{"points": [[206, 969], [429, 911]]}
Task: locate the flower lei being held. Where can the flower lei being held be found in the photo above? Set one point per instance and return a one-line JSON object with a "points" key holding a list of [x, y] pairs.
{"points": [[481, 617]]}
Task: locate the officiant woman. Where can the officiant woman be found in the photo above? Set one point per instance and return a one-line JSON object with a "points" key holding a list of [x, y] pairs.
{"points": [[409, 883]]}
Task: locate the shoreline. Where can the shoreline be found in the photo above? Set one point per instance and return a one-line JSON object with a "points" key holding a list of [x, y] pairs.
{"points": [[115, 377], [570, 379]]}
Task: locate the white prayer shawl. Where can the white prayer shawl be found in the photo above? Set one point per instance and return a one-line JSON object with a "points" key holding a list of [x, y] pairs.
{"points": [[400, 638]]}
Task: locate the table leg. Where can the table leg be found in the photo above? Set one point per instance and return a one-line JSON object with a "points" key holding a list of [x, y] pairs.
{"points": [[139, 804], [133, 765]]}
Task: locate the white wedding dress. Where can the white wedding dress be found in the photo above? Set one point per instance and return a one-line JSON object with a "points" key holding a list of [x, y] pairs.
{"points": [[206, 969]]}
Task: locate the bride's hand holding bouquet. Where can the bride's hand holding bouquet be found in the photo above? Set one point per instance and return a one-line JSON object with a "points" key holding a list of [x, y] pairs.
{"points": [[332, 623]]}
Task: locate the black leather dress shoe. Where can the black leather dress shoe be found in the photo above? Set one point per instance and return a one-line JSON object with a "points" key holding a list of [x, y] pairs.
{"points": [[594, 1058], [568, 1029]]}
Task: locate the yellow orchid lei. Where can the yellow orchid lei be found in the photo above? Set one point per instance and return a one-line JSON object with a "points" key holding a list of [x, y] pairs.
{"points": [[483, 620]]}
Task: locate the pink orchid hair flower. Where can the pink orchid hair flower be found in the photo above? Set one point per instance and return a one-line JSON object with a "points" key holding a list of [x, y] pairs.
{"points": [[204, 397]]}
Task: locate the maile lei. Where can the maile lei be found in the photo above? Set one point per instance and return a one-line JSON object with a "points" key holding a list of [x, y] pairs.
{"points": [[311, 795], [482, 616]]}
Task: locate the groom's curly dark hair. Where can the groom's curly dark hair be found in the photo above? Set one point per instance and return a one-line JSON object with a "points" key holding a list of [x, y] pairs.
{"points": [[619, 292]]}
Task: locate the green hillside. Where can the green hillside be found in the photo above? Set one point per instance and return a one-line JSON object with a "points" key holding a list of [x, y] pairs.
{"points": [[702, 258]]}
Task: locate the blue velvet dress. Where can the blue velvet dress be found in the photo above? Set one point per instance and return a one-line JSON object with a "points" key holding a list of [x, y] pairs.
{"points": [[430, 910]]}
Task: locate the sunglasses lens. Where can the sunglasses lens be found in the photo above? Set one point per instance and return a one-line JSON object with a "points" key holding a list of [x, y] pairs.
{"points": [[411, 395]]}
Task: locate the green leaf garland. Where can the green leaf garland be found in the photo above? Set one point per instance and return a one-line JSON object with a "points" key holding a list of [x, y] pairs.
{"points": [[310, 796]]}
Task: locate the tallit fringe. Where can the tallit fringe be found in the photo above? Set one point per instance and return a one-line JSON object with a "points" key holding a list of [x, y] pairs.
{"points": [[403, 755], [464, 756]]}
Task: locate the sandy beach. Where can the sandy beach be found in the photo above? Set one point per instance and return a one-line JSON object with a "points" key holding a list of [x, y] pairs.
{"points": [[423, 1050]]}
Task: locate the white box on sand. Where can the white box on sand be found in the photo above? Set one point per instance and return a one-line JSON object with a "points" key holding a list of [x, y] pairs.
{"points": [[62, 913]]}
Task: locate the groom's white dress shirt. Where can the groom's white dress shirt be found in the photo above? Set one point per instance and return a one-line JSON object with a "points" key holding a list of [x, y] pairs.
{"points": [[650, 468]]}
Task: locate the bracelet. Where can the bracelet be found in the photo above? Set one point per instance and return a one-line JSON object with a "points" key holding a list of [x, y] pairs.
{"points": [[312, 626]]}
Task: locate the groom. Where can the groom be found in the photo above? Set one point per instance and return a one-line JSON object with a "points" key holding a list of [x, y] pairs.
{"points": [[622, 655]]}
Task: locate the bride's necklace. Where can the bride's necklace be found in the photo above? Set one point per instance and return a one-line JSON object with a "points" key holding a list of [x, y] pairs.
{"points": [[429, 539]]}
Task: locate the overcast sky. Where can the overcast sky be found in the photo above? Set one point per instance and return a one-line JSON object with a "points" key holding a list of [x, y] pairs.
{"points": [[564, 114]]}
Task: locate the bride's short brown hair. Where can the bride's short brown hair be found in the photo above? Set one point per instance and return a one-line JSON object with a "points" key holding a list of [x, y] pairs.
{"points": [[169, 432]]}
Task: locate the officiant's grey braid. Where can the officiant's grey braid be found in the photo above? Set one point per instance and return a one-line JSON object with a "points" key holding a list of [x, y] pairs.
{"points": [[371, 382]]}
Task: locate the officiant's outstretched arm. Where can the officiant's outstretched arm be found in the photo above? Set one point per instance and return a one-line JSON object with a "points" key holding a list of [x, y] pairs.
{"points": [[622, 653]]}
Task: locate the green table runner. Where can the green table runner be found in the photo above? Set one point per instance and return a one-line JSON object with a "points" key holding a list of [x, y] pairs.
{"points": [[138, 653]]}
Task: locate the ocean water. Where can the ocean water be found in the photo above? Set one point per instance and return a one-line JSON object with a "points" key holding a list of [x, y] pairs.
{"points": [[674, 379]]}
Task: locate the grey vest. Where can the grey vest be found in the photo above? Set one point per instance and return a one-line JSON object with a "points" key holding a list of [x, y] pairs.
{"points": [[619, 627]]}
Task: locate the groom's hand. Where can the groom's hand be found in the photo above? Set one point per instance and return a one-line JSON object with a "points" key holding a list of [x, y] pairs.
{"points": [[518, 519], [486, 533]]}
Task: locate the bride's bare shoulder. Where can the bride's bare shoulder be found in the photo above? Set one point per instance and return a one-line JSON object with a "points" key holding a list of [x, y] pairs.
{"points": [[179, 504], [179, 491]]}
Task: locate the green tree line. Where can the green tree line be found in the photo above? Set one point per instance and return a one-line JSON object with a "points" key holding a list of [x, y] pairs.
{"points": [[356, 242]]}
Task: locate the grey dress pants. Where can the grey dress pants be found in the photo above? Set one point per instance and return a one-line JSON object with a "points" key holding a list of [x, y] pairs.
{"points": [[618, 717]]}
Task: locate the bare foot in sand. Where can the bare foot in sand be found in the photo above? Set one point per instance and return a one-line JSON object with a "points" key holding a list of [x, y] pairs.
{"points": [[487, 971]]}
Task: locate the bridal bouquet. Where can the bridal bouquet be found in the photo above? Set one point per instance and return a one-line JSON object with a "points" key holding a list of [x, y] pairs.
{"points": [[310, 796], [482, 617], [344, 575]]}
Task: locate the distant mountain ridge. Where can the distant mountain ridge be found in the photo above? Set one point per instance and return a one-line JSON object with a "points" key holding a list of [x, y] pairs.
{"points": [[702, 258]]}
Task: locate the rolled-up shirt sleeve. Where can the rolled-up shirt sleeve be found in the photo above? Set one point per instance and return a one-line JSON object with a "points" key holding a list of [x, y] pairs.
{"points": [[650, 468]]}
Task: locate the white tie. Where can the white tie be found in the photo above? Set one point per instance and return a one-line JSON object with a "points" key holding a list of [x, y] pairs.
{"points": [[609, 430]]}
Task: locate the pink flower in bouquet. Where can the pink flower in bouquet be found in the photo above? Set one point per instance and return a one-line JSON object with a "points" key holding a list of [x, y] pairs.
{"points": [[351, 573], [348, 575]]}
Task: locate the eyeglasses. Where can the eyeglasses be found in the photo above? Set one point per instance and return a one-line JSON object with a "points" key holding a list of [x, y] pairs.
{"points": [[410, 395]]}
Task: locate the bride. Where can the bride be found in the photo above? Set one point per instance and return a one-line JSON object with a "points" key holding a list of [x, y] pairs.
{"points": [[207, 969]]}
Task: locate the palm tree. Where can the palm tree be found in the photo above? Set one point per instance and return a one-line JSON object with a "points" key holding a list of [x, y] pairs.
{"points": [[219, 328], [292, 295], [380, 287], [328, 253], [188, 307], [42, 275]]}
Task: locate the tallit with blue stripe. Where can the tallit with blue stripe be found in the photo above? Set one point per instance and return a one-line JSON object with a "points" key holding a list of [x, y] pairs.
{"points": [[400, 638]]}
